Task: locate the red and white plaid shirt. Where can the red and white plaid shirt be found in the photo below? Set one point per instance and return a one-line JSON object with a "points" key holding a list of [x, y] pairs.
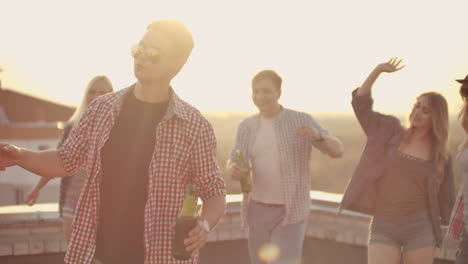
{"points": [[185, 150], [456, 226]]}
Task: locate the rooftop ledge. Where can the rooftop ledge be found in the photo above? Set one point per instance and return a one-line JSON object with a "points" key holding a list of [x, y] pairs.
{"points": [[37, 229], [231, 198]]}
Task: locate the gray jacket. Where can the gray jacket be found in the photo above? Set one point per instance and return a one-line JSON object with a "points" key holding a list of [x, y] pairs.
{"points": [[384, 133]]}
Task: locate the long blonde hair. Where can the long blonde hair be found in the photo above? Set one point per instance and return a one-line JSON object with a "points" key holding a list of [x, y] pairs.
{"points": [[439, 131], [81, 109]]}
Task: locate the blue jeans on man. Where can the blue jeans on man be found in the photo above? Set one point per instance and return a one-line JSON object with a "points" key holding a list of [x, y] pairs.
{"points": [[270, 241]]}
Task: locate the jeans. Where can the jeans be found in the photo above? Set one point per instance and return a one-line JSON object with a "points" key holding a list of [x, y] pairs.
{"points": [[270, 241], [462, 256]]}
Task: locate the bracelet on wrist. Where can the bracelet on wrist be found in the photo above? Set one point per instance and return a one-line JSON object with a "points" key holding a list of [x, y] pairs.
{"points": [[320, 139]]}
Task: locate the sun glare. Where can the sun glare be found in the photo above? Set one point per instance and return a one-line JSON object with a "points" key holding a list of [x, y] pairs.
{"points": [[269, 252], [321, 50]]}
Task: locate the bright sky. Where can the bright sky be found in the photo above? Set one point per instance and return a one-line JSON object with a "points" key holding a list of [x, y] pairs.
{"points": [[322, 49]]}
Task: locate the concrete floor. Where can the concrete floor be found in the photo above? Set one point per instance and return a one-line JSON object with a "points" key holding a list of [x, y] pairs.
{"points": [[235, 252]]}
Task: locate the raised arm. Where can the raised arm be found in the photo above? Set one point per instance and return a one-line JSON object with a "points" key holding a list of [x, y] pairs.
{"points": [[375, 124], [392, 65]]}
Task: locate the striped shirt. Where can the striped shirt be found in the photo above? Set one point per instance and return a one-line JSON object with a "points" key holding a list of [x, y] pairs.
{"points": [[456, 226], [185, 150], [295, 154]]}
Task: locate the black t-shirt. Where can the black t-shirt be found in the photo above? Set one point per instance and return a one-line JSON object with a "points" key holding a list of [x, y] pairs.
{"points": [[125, 160]]}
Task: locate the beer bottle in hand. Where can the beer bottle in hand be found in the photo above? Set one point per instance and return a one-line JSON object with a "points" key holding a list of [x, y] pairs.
{"points": [[186, 221], [246, 184]]}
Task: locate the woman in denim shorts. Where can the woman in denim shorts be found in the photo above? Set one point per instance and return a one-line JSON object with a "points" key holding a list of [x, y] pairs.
{"points": [[404, 178], [70, 187]]}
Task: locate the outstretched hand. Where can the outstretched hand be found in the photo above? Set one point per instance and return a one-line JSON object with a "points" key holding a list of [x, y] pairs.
{"points": [[9, 156], [392, 65]]}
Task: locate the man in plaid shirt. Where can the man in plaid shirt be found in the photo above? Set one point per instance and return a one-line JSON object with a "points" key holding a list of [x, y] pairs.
{"points": [[140, 146], [277, 143]]}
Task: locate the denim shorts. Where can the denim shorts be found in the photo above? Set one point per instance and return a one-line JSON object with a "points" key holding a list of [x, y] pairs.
{"points": [[414, 233], [70, 191]]}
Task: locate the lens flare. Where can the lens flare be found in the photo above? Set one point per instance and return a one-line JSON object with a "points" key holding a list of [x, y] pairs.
{"points": [[269, 252]]}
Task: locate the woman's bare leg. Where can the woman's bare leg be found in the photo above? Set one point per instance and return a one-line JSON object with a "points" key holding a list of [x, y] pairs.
{"points": [[419, 256], [383, 254], [67, 227]]}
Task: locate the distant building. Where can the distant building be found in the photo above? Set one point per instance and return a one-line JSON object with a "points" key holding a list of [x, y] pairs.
{"points": [[20, 107], [30, 122]]}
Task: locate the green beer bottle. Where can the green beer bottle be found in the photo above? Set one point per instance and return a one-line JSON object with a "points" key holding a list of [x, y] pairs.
{"points": [[186, 221], [246, 184]]}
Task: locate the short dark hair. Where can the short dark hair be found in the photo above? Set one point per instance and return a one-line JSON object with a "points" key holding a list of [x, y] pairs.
{"points": [[177, 33], [268, 74]]}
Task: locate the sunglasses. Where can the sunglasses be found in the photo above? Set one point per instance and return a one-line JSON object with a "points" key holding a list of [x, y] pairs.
{"points": [[151, 54]]}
